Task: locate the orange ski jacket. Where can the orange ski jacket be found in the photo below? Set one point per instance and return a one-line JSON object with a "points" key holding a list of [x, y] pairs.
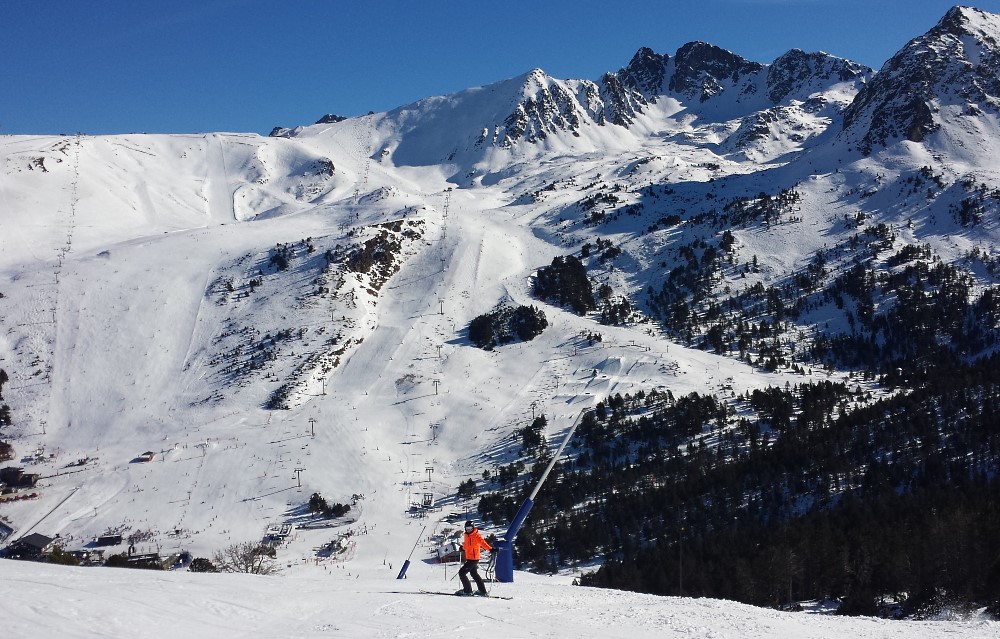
{"points": [[473, 543]]}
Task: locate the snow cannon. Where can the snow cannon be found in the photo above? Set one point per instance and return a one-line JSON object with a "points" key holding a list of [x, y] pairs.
{"points": [[504, 569], [406, 564], [504, 548]]}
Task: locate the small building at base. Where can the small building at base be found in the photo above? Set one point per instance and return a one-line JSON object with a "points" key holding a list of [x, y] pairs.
{"points": [[30, 547]]}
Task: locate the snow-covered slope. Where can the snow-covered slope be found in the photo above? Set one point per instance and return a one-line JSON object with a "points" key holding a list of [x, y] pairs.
{"points": [[44, 601], [180, 338], [278, 316]]}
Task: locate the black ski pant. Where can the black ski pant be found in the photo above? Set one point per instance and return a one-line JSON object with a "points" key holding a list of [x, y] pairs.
{"points": [[471, 566]]}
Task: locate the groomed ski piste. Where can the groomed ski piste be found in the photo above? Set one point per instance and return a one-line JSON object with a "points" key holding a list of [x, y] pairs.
{"points": [[141, 313], [50, 601]]}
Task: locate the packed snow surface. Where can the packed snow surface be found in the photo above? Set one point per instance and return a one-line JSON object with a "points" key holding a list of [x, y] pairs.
{"points": [[71, 603]]}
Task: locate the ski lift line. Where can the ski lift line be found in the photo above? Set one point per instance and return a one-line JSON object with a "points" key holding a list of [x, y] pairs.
{"points": [[46, 515], [63, 251]]}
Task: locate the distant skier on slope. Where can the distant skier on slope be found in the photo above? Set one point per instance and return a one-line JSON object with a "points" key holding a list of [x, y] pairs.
{"points": [[471, 546]]}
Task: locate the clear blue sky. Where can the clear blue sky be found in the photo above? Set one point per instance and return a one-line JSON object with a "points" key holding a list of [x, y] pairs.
{"points": [[113, 66]]}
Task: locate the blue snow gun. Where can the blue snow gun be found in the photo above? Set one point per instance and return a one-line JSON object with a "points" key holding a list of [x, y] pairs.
{"points": [[504, 548]]}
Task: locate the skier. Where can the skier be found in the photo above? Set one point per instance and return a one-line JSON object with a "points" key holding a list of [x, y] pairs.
{"points": [[471, 546]]}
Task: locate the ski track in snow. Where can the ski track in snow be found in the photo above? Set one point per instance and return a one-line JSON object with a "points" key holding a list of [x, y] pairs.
{"points": [[115, 603]]}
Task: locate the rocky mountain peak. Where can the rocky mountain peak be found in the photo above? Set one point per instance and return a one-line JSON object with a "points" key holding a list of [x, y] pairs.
{"points": [[959, 21], [534, 80], [331, 118], [796, 73], [702, 70], [545, 106], [953, 69], [645, 72]]}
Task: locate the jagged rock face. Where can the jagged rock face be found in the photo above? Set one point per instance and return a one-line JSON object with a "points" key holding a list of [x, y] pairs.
{"points": [[550, 109], [957, 63], [796, 74], [625, 94], [621, 102], [717, 87], [703, 70], [798, 85], [551, 106], [760, 125], [645, 72]]}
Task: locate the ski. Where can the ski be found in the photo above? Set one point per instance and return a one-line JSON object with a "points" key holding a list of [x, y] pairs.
{"points": [[446, 594], [453, 594]]}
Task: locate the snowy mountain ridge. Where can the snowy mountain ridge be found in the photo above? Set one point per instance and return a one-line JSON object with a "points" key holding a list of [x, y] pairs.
{"points": [[947, 76], [701, 82]]}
